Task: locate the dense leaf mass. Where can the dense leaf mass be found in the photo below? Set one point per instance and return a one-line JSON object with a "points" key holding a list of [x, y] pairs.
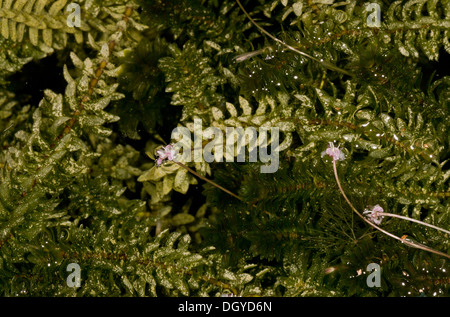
{"points": [[79, 181]]}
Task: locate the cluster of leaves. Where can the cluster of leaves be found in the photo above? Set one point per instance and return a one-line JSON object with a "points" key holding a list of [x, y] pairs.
{"points": [[387, 118], [77, 187]]}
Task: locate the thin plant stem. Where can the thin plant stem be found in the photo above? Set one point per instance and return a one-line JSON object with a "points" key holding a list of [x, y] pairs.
{"points": [[321, 61], [207, 180], [412, 220], [409, 243]]}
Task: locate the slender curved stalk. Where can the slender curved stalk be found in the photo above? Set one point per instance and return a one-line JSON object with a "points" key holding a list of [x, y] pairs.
{"points": [[208, 180], [412, 220], [242, 57], [321, 61], [409, 243]]}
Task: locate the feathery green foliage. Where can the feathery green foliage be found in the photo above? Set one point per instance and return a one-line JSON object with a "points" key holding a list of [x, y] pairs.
{"points": [[79, 184]]}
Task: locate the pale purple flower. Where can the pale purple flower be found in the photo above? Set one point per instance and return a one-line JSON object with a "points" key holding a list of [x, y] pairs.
{"points": [[334, 152], [373, 214], [166, 152]]}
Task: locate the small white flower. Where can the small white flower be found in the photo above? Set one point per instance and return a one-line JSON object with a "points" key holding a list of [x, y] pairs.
{"points": [[373, 214], [166, 152], [334, 152]]}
